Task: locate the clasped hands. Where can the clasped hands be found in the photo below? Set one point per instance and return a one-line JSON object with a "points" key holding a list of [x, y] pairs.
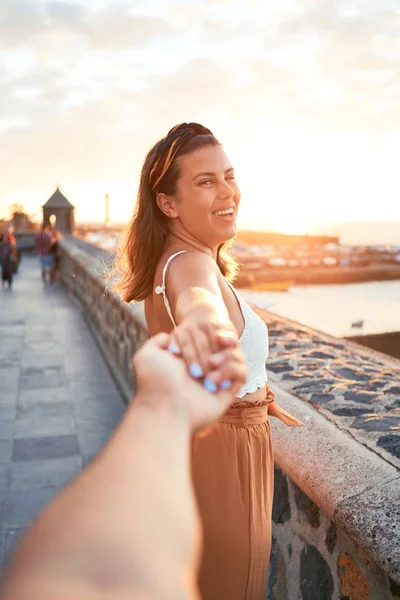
{"points": [[195, 371], [210, 349]]}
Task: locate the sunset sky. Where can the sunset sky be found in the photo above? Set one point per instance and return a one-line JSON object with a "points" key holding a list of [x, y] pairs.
{"points": [[304, 94]]}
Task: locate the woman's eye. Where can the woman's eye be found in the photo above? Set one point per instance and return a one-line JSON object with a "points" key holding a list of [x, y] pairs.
{"points": [[230, 177], [205, 181]]}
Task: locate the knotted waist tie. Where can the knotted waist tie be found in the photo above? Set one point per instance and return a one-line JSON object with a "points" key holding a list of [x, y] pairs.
{"points": [[255, 413]]}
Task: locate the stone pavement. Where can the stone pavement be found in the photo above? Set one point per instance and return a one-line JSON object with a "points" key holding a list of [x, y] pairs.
{"points": [[58, 402]]}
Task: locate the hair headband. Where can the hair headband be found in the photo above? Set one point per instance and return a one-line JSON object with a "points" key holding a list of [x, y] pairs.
{"points": [[176, 138]]}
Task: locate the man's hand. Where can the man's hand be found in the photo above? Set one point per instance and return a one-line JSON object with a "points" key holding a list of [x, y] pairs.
{"points": [[163, 379]]}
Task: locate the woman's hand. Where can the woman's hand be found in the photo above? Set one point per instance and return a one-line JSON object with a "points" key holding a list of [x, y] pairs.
{"points": [[201, 344], [163, 379]]}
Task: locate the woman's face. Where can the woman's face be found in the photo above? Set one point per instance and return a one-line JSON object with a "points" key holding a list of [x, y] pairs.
{"points": [[207, 197]]}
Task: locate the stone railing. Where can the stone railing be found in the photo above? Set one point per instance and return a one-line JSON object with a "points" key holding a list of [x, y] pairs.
{"points": [[119, 328], [336, 513]]}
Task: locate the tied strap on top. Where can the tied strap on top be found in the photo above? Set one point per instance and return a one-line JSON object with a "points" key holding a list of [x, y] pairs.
{"points": [[274, 410]]}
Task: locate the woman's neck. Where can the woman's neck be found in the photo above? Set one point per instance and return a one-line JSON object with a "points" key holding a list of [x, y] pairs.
{"points": [[187, 239]]}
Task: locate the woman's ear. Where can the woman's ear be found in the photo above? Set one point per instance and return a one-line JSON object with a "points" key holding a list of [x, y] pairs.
{"points": [[167, 205]]}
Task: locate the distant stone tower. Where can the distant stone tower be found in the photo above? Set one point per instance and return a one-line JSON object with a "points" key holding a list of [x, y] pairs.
{"points": [[60, 207]]}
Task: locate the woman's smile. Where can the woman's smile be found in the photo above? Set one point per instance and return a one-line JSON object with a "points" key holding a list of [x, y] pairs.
{"points": [[230, 217]]}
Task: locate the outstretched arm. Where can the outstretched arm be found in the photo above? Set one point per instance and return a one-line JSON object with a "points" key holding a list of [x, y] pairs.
{"points": [[202, 317], [127, 526]]}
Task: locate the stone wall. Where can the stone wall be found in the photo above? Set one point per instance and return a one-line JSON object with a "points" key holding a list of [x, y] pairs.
{"points": [[314, 558], [118, 328], [336, 525]]}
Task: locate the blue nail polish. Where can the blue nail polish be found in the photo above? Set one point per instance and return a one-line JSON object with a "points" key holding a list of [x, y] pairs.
{"points": [[226, 384], [196, 371], [173, 349], [209, 385]]}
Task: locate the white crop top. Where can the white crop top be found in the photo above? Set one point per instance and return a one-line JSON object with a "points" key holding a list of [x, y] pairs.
{"points": [[253, 342]]}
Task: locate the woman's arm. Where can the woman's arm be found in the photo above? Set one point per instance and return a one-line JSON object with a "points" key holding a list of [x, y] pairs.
{"points": [[204, 324], [193, 289]]}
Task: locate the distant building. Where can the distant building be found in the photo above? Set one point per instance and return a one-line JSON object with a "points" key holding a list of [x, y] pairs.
{"points": [[60, 207]]}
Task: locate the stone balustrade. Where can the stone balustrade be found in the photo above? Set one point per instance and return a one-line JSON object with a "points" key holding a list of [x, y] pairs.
{"points": [[336, 513], [336, 525], [119, 328]]}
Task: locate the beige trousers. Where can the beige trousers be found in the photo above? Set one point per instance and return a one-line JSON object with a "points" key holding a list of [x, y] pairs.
{"points": [[233, 476]]}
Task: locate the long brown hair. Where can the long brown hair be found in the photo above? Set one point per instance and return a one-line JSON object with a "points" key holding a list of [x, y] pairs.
{"points": [[146, 235]]}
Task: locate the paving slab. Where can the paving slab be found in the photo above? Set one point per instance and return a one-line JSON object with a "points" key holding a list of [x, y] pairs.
{"points": [[23, 507], [8, 396], [7, 411], [44, 396], [4, 475], [9, 378], [48, 426], [43, 376], [5, 450], [43, 473], [7, 427], [42, 409], [11, 538]]}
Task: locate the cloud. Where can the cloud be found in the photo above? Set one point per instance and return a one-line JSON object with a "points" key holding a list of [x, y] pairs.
{"points": [[85, 92], [117, 25], [360, 56], [19, 22], [61, 13]]}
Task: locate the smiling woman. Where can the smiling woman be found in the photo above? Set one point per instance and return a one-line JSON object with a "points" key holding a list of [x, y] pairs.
{"points": [[155, 215], [177, 260]]}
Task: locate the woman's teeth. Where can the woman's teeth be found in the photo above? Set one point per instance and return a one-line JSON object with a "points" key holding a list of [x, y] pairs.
{"points": [[228, 211]]}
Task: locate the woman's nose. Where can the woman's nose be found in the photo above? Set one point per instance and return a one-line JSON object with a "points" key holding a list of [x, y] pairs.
{"points": [[225, 190]]}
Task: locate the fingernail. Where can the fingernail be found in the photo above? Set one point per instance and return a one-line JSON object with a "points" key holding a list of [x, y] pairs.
{"points": [[209, 385], [195, 370], [225, 384], [173, 349]]}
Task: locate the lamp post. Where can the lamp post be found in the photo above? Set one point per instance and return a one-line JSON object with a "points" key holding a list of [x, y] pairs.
{"points": [[106, 210]]}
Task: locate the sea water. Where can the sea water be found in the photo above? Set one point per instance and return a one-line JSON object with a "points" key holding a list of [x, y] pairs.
{"points": [[333, 308]]}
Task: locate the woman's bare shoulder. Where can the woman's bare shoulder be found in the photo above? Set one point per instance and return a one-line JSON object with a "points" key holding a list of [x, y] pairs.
{"points": [[186, 259], [190, 268]]}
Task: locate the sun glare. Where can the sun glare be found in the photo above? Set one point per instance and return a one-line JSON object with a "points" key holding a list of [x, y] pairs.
{"points": [[290, 226]]}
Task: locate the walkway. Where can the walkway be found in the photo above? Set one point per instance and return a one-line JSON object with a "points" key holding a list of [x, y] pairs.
{"points": [[58, 403]]}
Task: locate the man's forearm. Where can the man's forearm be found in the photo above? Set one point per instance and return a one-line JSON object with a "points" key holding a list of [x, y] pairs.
{"points": [[128, 520]]}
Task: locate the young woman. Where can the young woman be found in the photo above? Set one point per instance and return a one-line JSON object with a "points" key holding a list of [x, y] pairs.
{"points": [[176, 258]]}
